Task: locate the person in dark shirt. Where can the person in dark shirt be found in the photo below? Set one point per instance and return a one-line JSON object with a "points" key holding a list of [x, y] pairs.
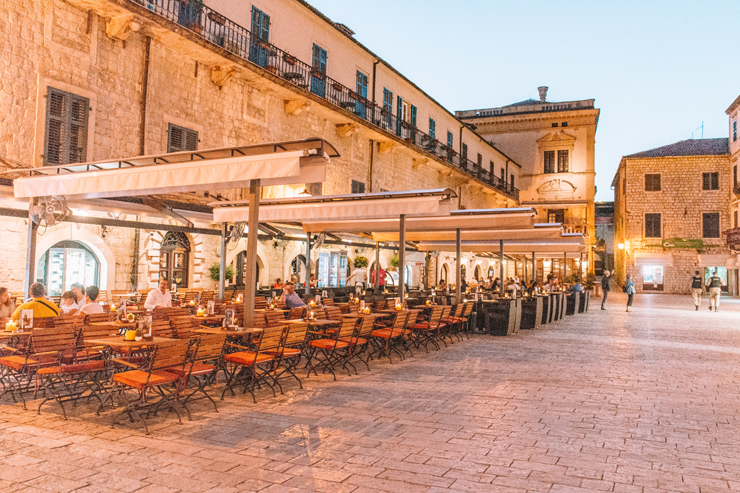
{"points": [[605, 287], [714, 284], [697, 288]]}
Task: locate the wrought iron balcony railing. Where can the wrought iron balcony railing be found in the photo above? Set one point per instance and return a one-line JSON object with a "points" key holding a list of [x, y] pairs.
{"points": [[217, 29]]}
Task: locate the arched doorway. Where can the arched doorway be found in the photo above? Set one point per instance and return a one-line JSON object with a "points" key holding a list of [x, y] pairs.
{"points": [[477, 272], [444, 273], [174, 259], [241, 269], [298, 268], [463, 272], [66, 263], [490, 270]]}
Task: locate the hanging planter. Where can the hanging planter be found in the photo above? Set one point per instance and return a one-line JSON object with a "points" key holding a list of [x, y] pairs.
{"points": [[338, 87], [354, 95], [217, 18], [317, 74], [289, 59]]}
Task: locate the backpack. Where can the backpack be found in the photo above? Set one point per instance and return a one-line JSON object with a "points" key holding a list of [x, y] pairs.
{"points": [[624, 288]]}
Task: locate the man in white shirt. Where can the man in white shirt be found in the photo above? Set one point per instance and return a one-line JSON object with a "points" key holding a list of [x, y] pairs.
{"points": [[159, 297], [91, 306], [359, 276]]}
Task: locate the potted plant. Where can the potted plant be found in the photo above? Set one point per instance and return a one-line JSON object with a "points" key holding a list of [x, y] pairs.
{"points": [[337, 86], [214, 272], [354, 95], [216, 18], [318, 74], [361, 262], [289, 59], [395, 262]]}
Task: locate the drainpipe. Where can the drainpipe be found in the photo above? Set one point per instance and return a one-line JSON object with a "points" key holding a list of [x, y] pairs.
{"points": [[375, 64], [142, 152], [370, 167]]}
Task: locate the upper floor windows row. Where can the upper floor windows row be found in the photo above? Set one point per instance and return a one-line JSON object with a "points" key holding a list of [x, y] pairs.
{"points": [[709, 181], [562, 165]]}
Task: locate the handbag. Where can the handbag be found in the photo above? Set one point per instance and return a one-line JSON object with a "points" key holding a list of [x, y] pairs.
{"points": [[624, 288]]}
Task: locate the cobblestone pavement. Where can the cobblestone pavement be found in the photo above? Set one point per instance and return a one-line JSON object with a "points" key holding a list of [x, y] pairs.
{"points": [[606, 401]]}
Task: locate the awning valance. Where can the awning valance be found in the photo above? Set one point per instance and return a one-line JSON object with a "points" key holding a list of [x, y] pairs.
{"points": [[508, 234]]}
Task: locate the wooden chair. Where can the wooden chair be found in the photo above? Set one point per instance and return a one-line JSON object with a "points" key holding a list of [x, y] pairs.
{"points": [[318, 311], [154, 377], [184, 326], [425, 333], [388, 339], [260, 302], [380, 305], [335, 350], [189, 296], [250, 366], [163, 328], [333, 313], [327, 301], [297, 313], [44, 322], [102, 296], [275, 318], [206, 362], [294, 346], [359, 342], [106, 316], [56, 299]]}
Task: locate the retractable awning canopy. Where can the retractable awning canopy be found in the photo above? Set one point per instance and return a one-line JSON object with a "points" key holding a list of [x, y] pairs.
{"points": [[538, 232], [190, 171], [570, 244], [353, 208], [513, 218]]}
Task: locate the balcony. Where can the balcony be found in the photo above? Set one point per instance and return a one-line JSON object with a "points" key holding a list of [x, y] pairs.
{"points": [[736, 188], [220, 31]]}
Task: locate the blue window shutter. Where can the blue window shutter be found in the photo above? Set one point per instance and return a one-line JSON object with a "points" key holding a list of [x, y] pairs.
{"points": [[399, 114], [413, 116], [432, 128], [319, 63], [449, 139]]}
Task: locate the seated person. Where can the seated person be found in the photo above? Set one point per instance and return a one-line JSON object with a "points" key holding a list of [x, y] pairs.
{"points": [[442, 285], [91, 305], [69, 303], [278, 284], [7, 307], [79, 292], [577, 287], [290, 297], [160, 297], [41, 307]]}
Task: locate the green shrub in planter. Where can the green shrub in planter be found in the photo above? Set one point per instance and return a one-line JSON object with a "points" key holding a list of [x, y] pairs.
{"points": [[215, 272], [361, 262]]}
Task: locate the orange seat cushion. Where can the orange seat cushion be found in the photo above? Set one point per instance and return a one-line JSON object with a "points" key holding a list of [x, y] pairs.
{"points": [[248, 358], [353, 340], [198, 369], [424, 326], [138, 379], [384, 333], [328, 344], [50, 370], [91, 365], [16, 362], [287, 352]]}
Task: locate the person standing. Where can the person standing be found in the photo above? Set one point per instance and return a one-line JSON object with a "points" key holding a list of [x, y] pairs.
{"points": [[629, 288], [605, 288], [715, 290], [697, 287], [358, 277]]}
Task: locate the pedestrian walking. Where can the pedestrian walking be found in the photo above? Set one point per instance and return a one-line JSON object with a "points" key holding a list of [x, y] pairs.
{"points": [[605, 288], [629, 288], [697, 288], [715, 290]]}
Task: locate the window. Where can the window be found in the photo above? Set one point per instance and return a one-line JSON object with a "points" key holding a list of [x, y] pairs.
{"points": [[734, 219], [358, 187], [710, 225], [66, 128], [387, 110], [564, 124], [549, 161], [512, 180], [361, 89], [480, 160], [734, 131], [432, 129], [464, 153], [652, 226], [556, 216], [734, 176], [554, 125], [491, 167], [66, 263], [563, 161], [318, 71], [258, 53], [315, 188], [652, 182], [399, 115], [450, 142], [710, 181], [413, 116], [503, 175], [174, 259], [181, 139]]}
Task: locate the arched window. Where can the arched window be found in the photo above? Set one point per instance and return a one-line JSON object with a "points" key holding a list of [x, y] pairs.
{"points": [[477, 272], [241, 269], [298, 268], [66, 263], [174, 259], [444, 273], [463, 272], [490, 271]]}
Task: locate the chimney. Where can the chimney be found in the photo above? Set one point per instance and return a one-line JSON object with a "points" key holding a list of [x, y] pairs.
{"points": [[543, 93]]}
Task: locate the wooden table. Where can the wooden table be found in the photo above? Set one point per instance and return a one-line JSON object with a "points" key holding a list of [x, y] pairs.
{"points": [[209, 318], [315, 323], [118, 342], [115, 324], [363, 315], [216, 330], [391, 311]]}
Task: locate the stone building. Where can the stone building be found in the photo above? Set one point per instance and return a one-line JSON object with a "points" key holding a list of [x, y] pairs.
{"points": [[733, 233], [89, 80], [604, 246], [554, 142], [671, 207]]}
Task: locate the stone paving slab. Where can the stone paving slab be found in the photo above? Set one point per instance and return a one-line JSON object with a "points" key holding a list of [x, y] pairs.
{"points": [[645, 401]]}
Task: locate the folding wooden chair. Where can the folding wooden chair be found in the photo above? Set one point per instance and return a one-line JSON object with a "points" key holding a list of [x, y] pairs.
{"points": [[359, 342], [327, 302], [155, 377], [250, 366], [425, 333], [335, 350], [274, 318], [107, 316], [297, 313], [184, 327], [203, 369], [387, 339], [260, 302], [294, 346], [333, 313]]}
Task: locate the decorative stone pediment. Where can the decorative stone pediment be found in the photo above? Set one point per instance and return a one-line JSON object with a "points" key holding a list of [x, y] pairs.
{"points": [[386, 147], [559, 139], [557, 190], [220, 75], [121, 26], [296, 106], [347, 129]]}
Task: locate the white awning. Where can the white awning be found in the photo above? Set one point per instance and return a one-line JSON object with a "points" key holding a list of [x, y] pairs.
{"points": [[191, 176], [519, 218], [551, 248], [538, 233]]}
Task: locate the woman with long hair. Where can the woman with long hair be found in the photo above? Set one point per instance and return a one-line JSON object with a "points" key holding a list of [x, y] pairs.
{"points": [[7, 307]]}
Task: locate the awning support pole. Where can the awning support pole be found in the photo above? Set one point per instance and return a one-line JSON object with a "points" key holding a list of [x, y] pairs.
{"points": [[376, 284], [251, 272], [534, 267], [307, 290], [222, 266], [565, 265], [458, 265], [30, 258], [402, 256], [501, 266]]}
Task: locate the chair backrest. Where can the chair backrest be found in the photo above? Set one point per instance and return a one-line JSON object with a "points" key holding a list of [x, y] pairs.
{"points": [[260, 321], [445, 313], [274, 318], [380, 305], [210, 347], [333, 313], [190, 296], [412, 318], [162, 328], [61, 340], [297, 313], [458, 310], [184, 326], [347, 329], [72, 323], [400, 322], [260, 302], [353, 307], [436, 314], [295, 335], [102, 296], [207, 295], [56, 299], [280, 304], [468, 309], [44, 322], [318, 311], [366, 327], [171, 354], [106, 316], [93, 331], [327, 302], [271, 338]]}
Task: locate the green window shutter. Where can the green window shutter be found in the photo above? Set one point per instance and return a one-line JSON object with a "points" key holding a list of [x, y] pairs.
{"points": [[67, 117], [181, 139]]}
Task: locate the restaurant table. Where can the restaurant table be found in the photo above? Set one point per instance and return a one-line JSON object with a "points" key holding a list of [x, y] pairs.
{"points": [[319, 322], [240, 331], [118, 342], [532, 308], [209, 318]]}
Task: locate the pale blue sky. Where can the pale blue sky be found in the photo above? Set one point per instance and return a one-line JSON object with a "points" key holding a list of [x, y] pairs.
{"points": [[657, 69]]}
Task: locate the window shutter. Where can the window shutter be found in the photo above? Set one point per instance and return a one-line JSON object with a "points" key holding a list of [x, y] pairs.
{"points": [[181, 139], [78, 129], [57, 105], [191, 140]]}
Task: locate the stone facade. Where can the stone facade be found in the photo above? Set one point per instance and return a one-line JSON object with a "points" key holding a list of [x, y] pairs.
{"points": [[681, 201], [97, 50]]}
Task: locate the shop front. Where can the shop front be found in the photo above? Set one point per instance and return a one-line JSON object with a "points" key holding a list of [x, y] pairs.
{"points": [[651, 270]]}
